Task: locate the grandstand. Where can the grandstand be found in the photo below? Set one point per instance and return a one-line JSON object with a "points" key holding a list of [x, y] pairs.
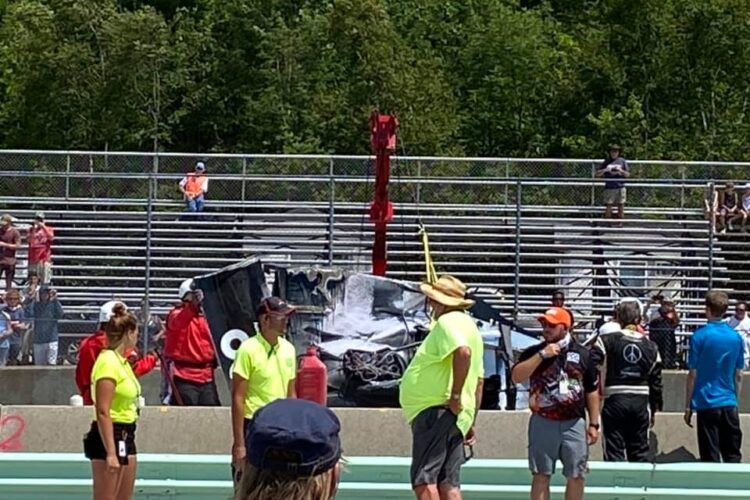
{"points": [[515, 229]]}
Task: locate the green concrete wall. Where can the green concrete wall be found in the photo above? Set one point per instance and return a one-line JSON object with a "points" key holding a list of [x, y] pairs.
{"points": [[26, 476]]}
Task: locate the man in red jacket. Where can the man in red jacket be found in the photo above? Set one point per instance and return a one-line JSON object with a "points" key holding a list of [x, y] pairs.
{"points": [[189, 351], [90, 348]]}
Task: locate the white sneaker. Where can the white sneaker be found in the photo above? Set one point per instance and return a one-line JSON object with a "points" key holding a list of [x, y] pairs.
{"points": [[731, 227]]}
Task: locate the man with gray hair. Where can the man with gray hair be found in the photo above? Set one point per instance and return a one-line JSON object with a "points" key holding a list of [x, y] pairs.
{"points": [[632, 387]]}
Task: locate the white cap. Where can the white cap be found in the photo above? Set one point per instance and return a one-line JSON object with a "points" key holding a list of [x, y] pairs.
{"points": [[185, 287], [105, 312], [200, 166]]}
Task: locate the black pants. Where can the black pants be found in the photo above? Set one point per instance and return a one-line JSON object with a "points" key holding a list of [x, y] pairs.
{"points": [[625, 421], [719, 435], [195, 394]]}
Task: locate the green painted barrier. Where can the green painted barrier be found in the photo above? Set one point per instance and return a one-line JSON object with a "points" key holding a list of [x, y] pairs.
{"points": [[66, 476]]}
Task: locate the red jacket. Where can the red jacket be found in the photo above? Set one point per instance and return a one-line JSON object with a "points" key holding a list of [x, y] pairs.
{"points": [[89, 350], [188, 344]]}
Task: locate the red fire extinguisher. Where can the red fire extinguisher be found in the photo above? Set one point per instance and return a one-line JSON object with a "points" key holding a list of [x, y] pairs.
{"points": [[312, 378]]}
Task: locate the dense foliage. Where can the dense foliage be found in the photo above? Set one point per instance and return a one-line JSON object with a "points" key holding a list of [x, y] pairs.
{"points": [[666, 78]]}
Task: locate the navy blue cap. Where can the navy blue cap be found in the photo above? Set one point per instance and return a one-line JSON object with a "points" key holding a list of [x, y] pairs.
{"points": [[294, 436]]}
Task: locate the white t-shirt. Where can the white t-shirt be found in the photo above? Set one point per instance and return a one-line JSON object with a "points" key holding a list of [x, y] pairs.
{"points": [[743, 328], [746, 203]]}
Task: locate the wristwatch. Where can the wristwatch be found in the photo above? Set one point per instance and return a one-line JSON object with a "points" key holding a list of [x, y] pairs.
{"points": [[541, 355], [456, 396], [595, 426]]}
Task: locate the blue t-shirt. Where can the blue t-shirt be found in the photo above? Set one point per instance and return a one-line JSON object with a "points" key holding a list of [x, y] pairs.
{"points": [[716, 352], [615, 180]]}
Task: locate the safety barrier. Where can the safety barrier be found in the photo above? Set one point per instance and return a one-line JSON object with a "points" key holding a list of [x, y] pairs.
{"points": [[205, 477]]}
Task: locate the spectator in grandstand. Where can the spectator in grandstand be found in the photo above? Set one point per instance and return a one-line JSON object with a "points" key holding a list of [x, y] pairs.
{"points": [[740, 322], [40, 238], [558, 300], [189, 351], [729, 207], [110, 443], [10, 238], [93, 345], [661, 330], [632, 386], [615, 170], [264, 370], [563, 386], [194, 187], [5, 333], [441, 391], [31, 294], [15, 312], [713, 384], [152, 325], [654, 304], [711, 204], [744, 208], [294, 452], [45, 314]]}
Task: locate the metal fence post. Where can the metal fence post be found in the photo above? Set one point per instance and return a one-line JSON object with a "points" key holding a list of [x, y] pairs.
{"points": [[711, 236], [419, 184], [517, 280], [507, 175], [149, 216], [67, 176], [331, 208], [682, 188], [244, 173], [593, 184]]}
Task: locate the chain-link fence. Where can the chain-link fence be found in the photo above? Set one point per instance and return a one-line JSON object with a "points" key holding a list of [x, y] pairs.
{"points": [[521, 227]]}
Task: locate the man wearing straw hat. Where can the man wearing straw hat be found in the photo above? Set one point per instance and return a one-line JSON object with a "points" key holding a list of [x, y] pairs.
{"points": [[441, 392]]}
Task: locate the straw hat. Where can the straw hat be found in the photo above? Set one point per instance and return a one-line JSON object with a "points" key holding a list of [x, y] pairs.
{"points": [[448, 291]]}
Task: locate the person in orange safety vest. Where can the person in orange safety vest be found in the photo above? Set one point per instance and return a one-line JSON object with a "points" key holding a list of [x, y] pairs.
{"points": [[194, 187]]}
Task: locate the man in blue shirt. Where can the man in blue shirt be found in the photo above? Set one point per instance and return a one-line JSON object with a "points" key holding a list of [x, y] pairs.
{"points": [[615, 170], [715, 360]]}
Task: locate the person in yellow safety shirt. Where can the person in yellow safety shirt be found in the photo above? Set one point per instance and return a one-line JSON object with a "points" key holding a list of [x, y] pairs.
{"points": [[441, 392], [264, 370], [194, 187], [110, 443]]}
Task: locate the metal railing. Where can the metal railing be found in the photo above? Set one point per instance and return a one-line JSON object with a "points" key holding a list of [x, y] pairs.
{"points": [[517, 227]]}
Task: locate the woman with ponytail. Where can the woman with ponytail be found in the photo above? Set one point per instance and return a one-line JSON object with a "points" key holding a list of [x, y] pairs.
{"points": [[110, 444]]}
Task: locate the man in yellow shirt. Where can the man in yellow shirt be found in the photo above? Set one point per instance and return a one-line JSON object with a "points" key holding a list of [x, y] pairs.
{"points": [[441, 392], [264, 370]]}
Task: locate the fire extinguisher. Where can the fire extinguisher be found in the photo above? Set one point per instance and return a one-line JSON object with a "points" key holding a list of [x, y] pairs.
{"points": [[312, 378]]}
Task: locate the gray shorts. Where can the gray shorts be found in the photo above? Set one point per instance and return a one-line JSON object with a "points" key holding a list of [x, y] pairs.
{"points": [[552, 440], [437, 448], [617, 196]]}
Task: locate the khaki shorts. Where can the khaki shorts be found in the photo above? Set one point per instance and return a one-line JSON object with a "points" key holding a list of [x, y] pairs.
{"points": [[553, 440], [617, 196]]}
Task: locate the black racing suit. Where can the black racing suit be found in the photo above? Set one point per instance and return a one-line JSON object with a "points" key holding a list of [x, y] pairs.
{"points": [[632, 386]]}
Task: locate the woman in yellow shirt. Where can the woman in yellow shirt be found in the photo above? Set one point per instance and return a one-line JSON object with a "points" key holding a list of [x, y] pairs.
{"points": [[110, 444]]}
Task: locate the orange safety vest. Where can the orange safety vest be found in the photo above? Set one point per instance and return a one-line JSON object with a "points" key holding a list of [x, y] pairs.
{"points": [[194, 184]]}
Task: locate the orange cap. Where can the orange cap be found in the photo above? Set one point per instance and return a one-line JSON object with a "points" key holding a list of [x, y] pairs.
{"points": [[556, 316]]}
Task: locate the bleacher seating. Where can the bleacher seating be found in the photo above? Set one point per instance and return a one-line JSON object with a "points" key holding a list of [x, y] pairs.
{"points": [[514, 254]]}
